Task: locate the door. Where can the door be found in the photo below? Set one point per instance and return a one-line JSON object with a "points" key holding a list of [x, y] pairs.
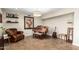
{"points": [[0, 18]]}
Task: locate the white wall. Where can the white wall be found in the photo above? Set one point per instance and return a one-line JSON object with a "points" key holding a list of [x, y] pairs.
{"points": [[10, 25], [20, 25], [60, 22], [0, 11], [76, 27], [58, 12], [37, 21]]}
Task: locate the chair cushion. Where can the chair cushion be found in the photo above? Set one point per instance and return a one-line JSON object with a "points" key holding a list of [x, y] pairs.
{"points": [[38, 33]]}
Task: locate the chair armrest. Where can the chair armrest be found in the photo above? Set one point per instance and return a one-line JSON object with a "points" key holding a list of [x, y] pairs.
{"points": [[19, 32]]}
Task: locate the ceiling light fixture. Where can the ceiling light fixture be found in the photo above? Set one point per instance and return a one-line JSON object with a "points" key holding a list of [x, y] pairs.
{"points": [[37, 13]]}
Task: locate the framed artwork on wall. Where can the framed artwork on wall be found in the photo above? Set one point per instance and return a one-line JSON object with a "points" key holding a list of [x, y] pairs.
{"points": [[0, 18], [28, 22]]}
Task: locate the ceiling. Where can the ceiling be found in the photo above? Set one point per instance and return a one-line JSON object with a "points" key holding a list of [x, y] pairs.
{"points": [[30, 11], [41, 10]]}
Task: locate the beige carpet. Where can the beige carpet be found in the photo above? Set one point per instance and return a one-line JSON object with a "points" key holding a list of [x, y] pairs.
{"points": [[30, 43]]}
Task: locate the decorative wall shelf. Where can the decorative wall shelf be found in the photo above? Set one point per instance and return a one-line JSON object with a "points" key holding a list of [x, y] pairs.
{"points": [[69, 22], [11, 15], [11, 22]]}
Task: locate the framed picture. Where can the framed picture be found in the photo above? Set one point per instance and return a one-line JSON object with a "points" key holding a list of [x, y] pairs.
{"points": [[0, 18], [28, 22]]}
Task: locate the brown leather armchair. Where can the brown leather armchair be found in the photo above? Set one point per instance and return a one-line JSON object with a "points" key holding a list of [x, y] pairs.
{"points": [[14, 34]]}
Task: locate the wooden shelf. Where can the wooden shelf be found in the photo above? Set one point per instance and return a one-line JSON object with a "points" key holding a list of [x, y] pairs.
{"points": [[11, 22], [70, 22], [11, 17]]}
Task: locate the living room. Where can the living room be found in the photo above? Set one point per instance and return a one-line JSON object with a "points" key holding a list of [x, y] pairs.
{"points": [[55, 23]]}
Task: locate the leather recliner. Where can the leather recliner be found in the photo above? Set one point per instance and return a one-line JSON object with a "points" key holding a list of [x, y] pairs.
{"points": [[14, 34]]}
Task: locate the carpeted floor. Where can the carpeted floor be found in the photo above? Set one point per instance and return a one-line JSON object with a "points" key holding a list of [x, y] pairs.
{"points": [[30, 43]]}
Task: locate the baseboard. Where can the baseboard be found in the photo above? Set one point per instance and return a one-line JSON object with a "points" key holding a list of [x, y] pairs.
{"points": [[75, 44]]}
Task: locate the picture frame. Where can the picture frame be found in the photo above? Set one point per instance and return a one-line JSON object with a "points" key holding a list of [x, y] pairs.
{"points": [[28, 22]]}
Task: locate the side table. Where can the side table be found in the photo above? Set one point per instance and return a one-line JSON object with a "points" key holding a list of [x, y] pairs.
{"points": [[6, 37]]}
